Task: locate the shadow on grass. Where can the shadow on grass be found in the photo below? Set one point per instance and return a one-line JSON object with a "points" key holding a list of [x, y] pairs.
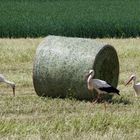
{"points": [[121, 100], [116, 100]]}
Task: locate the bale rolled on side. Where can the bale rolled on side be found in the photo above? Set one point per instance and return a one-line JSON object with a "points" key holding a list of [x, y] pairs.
{"points": [[61, 64]]}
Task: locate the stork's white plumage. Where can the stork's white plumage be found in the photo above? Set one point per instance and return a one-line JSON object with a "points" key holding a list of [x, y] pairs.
{"points": [[136, 86], [4, 80], [102, 87]]}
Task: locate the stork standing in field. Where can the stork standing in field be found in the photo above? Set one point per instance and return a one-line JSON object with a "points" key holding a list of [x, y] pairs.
{"points": [[102, 87], [136, 86], [4, 80]]}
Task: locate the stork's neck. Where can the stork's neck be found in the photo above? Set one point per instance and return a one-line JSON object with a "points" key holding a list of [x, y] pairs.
{"points": [[90, 78], [134, 82]]}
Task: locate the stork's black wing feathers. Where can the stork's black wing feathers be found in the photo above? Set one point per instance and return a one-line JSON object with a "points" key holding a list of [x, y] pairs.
{"points": [[110, 90]]}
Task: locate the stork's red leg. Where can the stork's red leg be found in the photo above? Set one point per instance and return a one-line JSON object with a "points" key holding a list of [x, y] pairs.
{"points": [[98, 97]]}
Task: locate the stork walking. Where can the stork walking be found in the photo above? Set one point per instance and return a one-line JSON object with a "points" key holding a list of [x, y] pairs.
{"points": [[4, 80], [136, 86], [102, 87]]}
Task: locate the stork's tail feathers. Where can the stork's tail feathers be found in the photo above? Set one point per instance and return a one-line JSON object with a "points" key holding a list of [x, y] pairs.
{"points": [[110, 90], [117, 91]]}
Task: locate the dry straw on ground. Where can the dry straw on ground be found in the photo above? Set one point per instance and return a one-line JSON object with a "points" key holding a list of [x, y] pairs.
{"points": [[61, 63]]}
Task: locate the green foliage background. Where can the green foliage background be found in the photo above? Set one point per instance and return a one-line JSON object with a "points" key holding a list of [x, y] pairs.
{"points": [[81, 18]]}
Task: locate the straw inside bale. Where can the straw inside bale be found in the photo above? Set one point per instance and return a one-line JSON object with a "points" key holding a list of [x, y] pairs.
{"points": [[61, 63]]}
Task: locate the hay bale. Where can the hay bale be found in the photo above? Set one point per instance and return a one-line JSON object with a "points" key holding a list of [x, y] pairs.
{"points": [[61, 63]]}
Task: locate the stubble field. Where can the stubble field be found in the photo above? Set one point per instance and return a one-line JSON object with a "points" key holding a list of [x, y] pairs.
{"points": [[28, 116]]}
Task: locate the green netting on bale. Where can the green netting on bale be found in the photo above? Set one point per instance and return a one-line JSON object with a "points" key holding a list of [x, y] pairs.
{"points": [[61, 64]]}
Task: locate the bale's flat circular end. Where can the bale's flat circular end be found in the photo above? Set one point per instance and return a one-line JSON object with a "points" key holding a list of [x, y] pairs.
{"points": [[106, 65]]}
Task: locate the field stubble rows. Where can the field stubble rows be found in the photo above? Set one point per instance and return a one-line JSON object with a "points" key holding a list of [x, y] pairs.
{"points": [[28, 116]]}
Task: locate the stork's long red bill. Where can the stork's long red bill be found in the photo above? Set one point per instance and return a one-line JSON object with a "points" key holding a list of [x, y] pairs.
{"points": [[128, 81], [14, 91]]}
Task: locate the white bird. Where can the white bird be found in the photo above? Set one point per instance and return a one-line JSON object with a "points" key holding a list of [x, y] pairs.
{"points": [[102, 87], [136, 86], [4, 80]]}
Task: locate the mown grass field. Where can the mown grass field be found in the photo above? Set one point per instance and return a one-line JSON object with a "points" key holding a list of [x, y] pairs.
{"points": [[28, 116], [35, 18]]}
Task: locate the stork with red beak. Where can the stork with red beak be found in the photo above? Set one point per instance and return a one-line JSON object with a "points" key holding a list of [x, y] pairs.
{"points": [[136, 86], [4, 80], [102, 87]]}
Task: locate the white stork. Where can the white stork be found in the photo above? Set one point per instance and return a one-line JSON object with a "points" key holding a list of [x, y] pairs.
{"points": [[102, 87], [136, 86], [4, 80]]}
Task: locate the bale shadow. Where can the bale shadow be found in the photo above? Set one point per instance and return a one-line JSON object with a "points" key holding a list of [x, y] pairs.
{"points": [[117, 100], [121, 100], [110, 100]]}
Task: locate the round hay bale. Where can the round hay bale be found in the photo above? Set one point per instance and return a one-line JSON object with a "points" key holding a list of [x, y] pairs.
{"points": [[61, 64]]}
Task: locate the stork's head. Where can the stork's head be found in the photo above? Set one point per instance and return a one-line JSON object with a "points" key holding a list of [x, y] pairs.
{"points": [[132, 77], [12, 84], [91, 72]]}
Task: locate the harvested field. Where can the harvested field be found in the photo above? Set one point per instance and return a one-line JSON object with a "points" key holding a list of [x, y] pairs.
{"points": [[28, 116]]}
